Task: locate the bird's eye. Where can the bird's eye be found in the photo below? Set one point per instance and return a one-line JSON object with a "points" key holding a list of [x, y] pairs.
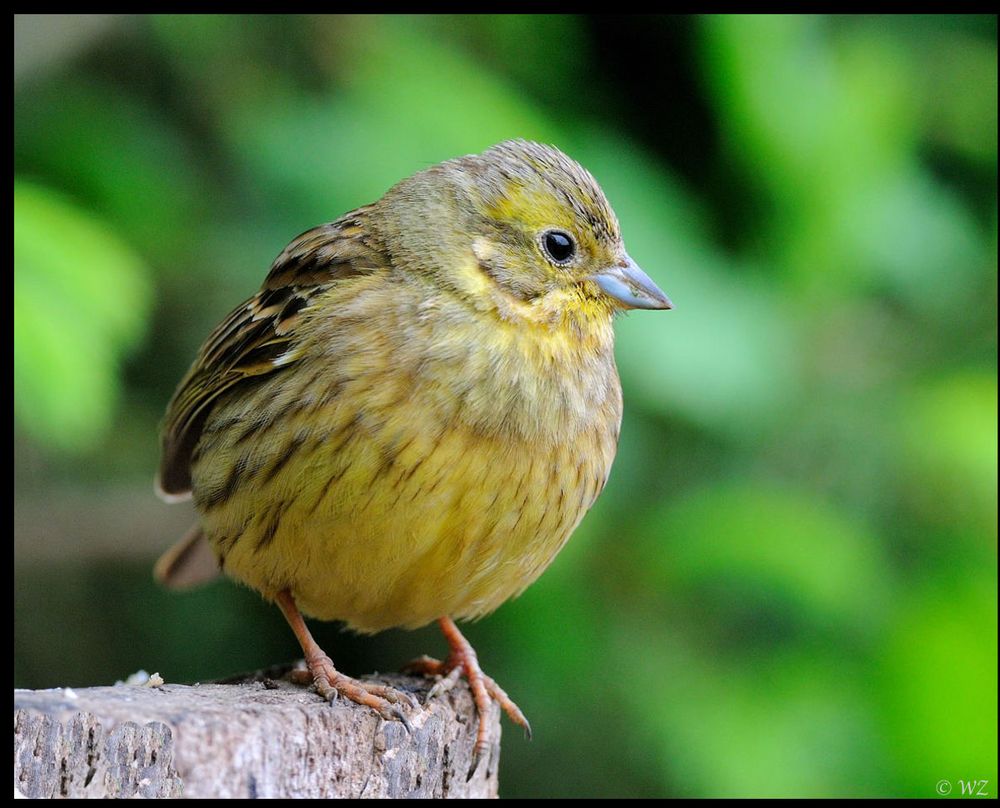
{"points": [[558, 246]]}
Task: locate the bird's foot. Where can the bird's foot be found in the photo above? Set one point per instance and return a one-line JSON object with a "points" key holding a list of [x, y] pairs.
{"points": [[463, 660], [483, 687], [332, 684]]}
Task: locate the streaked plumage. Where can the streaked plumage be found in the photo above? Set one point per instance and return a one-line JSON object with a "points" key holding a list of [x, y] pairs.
{"points": [[412, 415]]}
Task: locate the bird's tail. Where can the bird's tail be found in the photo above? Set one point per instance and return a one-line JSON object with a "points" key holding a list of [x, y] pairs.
{"points": [[188, 563]]}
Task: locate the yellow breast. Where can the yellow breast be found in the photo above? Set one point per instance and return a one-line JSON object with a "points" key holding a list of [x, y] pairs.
{"points": [[437, 469]]}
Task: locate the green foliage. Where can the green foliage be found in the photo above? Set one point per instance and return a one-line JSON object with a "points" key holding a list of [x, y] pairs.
{"points": [[81, 298], [789, 586]]}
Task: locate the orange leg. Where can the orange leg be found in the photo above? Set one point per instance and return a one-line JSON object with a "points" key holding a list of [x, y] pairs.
{"points": [[330, 683], [463, 659]]}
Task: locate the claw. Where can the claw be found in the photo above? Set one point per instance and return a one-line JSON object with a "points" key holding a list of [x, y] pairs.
{"points": [[463, 660], [384, 700], [390, 694], [445, 683], [401, 717], [475, 764], [331, 683], [412, 700]]}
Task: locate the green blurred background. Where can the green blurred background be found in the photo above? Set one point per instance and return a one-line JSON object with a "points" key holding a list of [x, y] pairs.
{"points": [[789, 586]]}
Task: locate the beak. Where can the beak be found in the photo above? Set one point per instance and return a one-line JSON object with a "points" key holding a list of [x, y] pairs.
{"points": [[631, 287]]}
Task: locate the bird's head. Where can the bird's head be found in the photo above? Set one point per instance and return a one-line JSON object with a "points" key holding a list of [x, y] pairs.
{"points": [[522, 222]]}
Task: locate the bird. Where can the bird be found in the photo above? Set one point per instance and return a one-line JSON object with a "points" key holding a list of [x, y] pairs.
{"points": [[408, 420]]}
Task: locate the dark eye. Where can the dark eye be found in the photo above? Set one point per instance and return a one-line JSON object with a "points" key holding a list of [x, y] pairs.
{"points": [[558, 246]]}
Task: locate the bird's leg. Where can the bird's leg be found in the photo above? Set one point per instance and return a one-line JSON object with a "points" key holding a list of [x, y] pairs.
{"points": [[463, 659], [331, 683]]}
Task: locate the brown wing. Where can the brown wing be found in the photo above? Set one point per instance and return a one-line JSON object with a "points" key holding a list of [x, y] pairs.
{"points": [[259, 338]]}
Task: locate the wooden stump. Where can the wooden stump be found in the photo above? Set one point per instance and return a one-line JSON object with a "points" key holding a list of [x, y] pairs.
{"points": [[258, 738]]}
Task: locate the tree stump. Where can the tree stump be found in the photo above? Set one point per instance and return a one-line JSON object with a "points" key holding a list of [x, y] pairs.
{"points": [[255, 738]]}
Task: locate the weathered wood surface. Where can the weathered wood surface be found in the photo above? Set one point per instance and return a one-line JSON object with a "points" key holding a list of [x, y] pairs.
{"points": [[266, 738]]}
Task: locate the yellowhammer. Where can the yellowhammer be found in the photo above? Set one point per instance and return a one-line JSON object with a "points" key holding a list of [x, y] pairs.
{"points": [[410, 418]]}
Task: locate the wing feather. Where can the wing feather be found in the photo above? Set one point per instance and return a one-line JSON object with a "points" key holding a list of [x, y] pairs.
{"points": [[259, 337]]}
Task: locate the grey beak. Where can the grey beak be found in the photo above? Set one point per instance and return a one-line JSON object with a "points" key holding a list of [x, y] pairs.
{"points": [[631, 287]]}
